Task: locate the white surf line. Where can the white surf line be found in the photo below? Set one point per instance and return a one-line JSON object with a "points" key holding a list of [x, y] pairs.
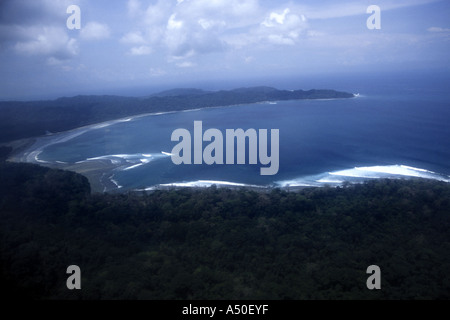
{"points": [[133, 166], [111, 179], [66, 136], [115, 182], [31, 155], [360, 174], [166, 153], [208, 183]]}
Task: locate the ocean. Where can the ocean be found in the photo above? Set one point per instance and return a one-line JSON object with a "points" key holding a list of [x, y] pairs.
{"points": [[398, 127]]}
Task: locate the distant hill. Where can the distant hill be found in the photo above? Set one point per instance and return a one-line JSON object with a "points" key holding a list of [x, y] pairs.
{"points": [[179, 92], [20, 120]]}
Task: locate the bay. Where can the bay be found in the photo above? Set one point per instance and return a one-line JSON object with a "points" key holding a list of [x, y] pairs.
{"points": [[396, 131]]}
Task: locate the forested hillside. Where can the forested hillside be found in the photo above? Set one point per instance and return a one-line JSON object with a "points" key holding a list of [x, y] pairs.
{"points": [[222, 244]]}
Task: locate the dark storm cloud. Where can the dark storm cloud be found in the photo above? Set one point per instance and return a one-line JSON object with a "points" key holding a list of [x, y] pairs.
{"points": [[26, 12], [36, 28]]}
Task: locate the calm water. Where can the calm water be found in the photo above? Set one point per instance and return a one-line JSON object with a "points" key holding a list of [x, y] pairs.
{"points": [[394, 129]]}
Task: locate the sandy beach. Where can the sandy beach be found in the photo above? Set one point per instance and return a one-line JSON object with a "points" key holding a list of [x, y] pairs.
{"points": [[98, 172]]}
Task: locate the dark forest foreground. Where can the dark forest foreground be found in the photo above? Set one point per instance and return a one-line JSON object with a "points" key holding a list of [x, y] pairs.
{"points": [[221, 244]]}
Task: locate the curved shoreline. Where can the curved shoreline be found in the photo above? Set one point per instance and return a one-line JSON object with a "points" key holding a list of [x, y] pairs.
{"points": [[28, 151], [100, 171], [39, 143], [94, 171]]}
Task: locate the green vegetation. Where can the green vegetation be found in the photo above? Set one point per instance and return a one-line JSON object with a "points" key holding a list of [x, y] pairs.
{"points": [[20, 120], [222, 244]]}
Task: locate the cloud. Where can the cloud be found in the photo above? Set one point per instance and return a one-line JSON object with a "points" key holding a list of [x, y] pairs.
{"points": [[37, 28], [438, 30], [157, 72], [26, 13], [47, 41], [329, 10], [276, 18], [133, 38], [134, 7], [157, 14], [186, 37], [283, 28], [186, 64], [141, 51], [249, 59], [192, 28], [95, 31], [207, 24]]}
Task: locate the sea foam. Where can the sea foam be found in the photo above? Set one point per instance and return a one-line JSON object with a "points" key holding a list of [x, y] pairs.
{"points": [[202, 184], [126, 162], [361, 174]]}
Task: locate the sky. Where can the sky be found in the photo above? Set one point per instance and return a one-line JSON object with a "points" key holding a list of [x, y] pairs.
{"points": [[155, 44]]}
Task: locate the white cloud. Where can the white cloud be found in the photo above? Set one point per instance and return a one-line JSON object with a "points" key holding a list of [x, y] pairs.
{"points": [[438, 30], [283, 28], [276, 18], [134, 7], [174, 24], [184, 29], [157, 72], [185, 37], [133, 38], [95, 31], [157, 14], [57, 8], [186, 64], [37, 28], [207, 24], [52, 61], [353, 8], [315, 33], [280, 40], [49, 41], [141, 51], [224, 8]]}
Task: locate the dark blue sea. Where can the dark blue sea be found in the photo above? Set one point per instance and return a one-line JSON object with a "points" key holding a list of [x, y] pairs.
{"points": [[398, 127]]}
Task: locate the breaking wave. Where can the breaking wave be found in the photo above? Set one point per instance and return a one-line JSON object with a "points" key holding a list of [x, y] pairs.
{"points": [[202, 184], [127, 162], [361, 174]]}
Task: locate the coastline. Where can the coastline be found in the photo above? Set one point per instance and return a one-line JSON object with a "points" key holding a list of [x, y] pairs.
{"points": [[100, 172], [97, 172]]}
